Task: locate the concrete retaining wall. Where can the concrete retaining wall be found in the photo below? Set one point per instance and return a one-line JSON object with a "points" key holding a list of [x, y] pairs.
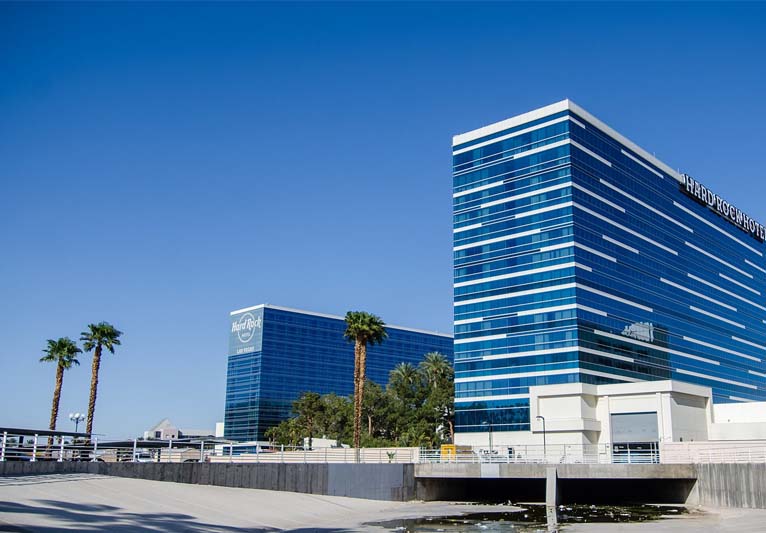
{"points": [[732, 485], [395, 482]]}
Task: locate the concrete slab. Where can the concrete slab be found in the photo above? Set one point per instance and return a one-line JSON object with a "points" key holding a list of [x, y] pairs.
{"points": [[88, 503]]}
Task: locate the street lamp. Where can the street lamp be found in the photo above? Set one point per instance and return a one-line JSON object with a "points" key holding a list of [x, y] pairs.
{"points": [[545, 454], [489, 426], [76, 418]]}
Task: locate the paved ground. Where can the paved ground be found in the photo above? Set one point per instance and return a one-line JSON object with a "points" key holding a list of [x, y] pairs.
{"points": [[703, 521], [84, 502], [88, 503]]}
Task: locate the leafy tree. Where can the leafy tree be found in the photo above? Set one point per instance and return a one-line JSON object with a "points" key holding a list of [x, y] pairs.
{"points": [[310, 410], [440, 401], [63, 352], [288, 433], [362, 328], [98, 336]]}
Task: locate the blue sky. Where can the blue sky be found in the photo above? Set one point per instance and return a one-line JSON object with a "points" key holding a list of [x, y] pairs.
{"points": [[163, 164]]}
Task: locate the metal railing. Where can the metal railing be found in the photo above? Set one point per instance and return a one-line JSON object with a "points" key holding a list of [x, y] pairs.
{"points": [[550, 454], [34, 447]]}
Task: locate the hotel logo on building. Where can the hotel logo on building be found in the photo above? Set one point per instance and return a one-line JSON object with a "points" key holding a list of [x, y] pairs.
{"points": [[722, 208], [246, 332]]}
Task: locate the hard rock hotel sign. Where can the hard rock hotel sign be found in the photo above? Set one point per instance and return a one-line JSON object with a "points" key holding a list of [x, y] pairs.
{"points": [[722, 208]]}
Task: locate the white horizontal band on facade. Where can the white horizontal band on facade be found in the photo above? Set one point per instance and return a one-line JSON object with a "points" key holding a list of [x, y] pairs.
{"points": [[558, 372], [637, 342], [722, 380], [507, 295], [592, 310], [599, 197], [478, 189], [647, 167], [466, 228], [529, 312], [713, 285], [616, 298], [755, 266], [625, 229], [698, 294], [716, 347], [518, 375], [591, 153], [515, 355], [595, 252], [735, 282], [505, 156], [618, 243], [757, 373], [575, 121], [526, 153], [539, 270], [526, 195], [744, 341], [608, 375], [711, 256], [492, 398], [647, 206], [701, 219], [497, 239], [738, 399], [607, 354], [510, 135], [713, 315]]}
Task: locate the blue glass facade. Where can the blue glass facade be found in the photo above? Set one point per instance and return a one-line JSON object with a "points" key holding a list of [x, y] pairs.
{"points": [[579, 257], [275, 354]]}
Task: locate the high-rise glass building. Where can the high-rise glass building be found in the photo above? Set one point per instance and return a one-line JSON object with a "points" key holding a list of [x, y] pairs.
{"points": [[276, 353], [581, 258]]}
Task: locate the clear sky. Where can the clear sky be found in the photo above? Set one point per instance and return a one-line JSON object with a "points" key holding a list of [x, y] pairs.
{"points": [[164, 164]]}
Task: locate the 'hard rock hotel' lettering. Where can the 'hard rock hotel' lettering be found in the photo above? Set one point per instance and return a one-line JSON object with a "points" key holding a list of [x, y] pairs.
{"points": [[723, 208]]}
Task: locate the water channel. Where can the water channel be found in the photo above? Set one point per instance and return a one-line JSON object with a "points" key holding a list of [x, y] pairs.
{"points": [[532, 518]]}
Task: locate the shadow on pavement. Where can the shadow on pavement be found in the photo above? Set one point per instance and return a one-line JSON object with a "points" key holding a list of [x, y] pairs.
{"points": [[63, 516]]}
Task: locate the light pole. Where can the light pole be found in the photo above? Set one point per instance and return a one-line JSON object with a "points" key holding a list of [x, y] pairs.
{"points": [[76, 418], [545, 454], [489, 427]]}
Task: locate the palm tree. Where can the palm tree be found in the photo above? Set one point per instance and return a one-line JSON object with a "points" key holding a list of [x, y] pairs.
{"points": [[63, 352], [362, 328], [436, 367], [98, 336]]}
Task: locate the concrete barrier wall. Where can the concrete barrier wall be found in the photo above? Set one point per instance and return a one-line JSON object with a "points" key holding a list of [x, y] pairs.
{"points": [[732, 485], [395, 482]]}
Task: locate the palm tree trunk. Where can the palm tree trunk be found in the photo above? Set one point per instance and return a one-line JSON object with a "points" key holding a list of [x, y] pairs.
{"points": [[369, 425], [93, 389], [56, 399], [357, 393], [362, 379]]}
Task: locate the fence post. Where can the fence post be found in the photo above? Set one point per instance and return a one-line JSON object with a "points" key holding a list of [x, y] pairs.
{"points": [[282, 453], [344, 454], [61, 449], [202, 451], [325, 455], [2, 450], [304, 455], [231, 453], [34, 449], [95, 449], [135, 446]]}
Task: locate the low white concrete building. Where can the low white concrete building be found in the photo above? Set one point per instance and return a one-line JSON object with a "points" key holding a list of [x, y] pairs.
{"points": [[628, 414]]}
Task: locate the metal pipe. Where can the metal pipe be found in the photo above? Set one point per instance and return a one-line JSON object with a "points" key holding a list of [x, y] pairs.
{"points": [[545, 454], [34, 449]]}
